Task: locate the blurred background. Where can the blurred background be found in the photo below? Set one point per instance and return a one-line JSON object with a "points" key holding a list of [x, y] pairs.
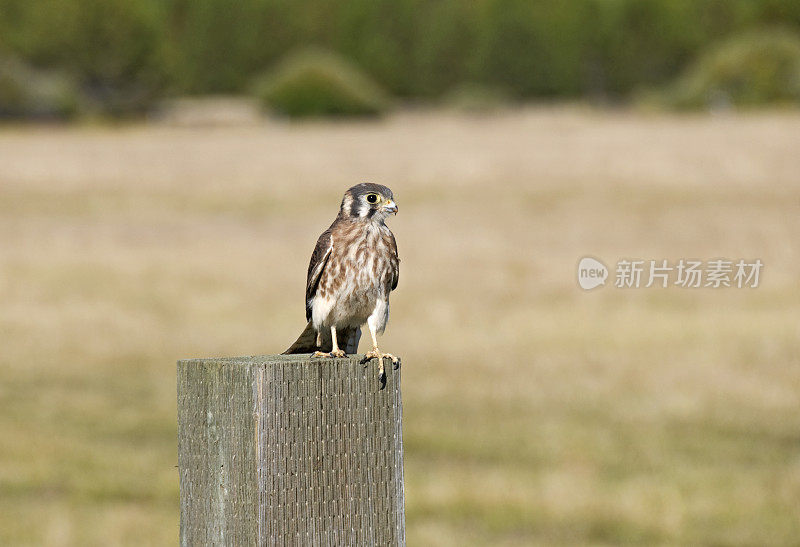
{"points": [[166, 167]]}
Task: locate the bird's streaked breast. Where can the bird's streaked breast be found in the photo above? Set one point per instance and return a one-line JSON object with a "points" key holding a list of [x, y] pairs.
{"points": [[356, 276]]}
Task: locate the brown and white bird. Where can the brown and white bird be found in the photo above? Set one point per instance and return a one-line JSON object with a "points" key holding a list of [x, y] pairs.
{"points": [[353, 269]]}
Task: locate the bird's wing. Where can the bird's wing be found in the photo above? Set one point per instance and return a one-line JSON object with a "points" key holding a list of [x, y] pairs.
{"points": [[319, 258], [395, 263]]}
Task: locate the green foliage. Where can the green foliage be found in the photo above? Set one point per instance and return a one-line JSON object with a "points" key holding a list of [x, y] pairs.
{"points": [[126, 54], [531, 49], [220, 44], [318, 83], [29, 93], [752, 69], [115, 49]]}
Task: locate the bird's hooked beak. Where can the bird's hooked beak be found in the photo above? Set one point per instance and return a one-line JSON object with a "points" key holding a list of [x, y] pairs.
{"points": [[390, 206]]}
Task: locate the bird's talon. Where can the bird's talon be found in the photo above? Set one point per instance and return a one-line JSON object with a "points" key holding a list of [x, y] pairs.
{"points": [[320, 354], [376, 354], [382, 378]]}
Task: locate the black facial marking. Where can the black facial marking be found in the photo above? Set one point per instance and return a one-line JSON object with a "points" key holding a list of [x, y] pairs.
{"points": [[354, 207]]}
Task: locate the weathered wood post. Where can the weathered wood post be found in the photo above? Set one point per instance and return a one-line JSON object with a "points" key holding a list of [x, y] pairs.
{"points": [[289, 450]]}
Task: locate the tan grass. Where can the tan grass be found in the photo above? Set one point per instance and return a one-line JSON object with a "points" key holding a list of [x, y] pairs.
{"points": [[535, 413]]}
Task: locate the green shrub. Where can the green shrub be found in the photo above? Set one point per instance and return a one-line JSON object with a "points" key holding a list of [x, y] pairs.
{"points": [[127, 54], [114, 50], [753, 69], [317, 83], [29, 93]]}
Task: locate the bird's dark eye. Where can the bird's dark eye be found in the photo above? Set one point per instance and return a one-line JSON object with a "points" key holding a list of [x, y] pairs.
{"points": [[372, 198]]}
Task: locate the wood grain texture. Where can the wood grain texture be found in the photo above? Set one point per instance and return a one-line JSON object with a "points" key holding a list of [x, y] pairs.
{"points": [[286, 449]]}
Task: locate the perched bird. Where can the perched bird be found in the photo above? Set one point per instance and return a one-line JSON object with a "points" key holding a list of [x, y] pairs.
{"points": [[353, 269]]}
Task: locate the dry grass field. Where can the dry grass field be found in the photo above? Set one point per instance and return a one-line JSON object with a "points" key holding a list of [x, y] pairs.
{"points": [[535, 413]]}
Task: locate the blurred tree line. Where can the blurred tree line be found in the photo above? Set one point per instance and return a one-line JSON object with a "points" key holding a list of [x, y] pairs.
{"points": [[123, 54]]}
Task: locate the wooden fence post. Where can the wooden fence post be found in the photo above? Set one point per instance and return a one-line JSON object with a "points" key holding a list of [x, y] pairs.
{"points": [[289, 450]]}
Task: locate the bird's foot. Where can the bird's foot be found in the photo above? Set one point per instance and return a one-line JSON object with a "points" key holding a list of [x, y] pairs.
{"points": [[377, 354], [334, 353]]}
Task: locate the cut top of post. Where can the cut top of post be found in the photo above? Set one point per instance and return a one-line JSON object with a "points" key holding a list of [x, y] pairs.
{"points": [[289, 448]]}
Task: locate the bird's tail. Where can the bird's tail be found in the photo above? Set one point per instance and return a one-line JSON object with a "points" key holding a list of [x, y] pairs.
{"points": [[347, 338], [307, 342]]}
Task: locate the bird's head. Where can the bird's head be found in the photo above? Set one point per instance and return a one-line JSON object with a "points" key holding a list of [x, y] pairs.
{"points": [[367, 201]]}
